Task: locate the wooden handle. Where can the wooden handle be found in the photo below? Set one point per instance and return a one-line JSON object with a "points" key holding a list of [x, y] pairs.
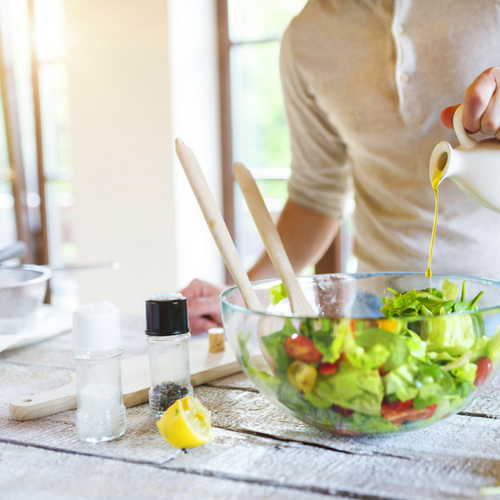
{"points": [[272, 241], [135, 388], [216, 224], [45, 403]]}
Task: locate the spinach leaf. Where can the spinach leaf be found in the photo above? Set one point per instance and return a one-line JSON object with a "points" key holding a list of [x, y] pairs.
{"points": [[428, 302]]}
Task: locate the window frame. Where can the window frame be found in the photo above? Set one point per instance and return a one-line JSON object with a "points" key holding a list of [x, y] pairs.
{"points": [[36, 242]]}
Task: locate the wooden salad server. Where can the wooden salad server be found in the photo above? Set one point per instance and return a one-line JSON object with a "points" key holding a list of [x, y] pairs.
{"points": [[298, 302], [216, 224]]}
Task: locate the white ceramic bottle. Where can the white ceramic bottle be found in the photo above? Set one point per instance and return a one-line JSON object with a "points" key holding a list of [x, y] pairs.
{"points": [[473, 166], [97, 348]]}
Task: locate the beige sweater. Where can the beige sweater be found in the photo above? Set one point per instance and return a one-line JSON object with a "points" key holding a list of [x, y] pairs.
{"points": [[364, 83]]}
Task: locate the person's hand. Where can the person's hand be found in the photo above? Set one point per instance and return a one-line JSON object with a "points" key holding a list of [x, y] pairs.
{"points": [[481, 105], [203, 306]]}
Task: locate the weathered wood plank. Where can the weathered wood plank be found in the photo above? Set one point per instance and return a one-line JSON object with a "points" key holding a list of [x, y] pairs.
{"points": [[488, 403], [299, 466], [142, 441], [50, 475], [251, 458], [237, 381]]}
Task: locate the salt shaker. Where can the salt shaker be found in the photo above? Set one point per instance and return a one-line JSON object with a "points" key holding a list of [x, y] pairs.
{"points": [[97, 349], [167, 334]]}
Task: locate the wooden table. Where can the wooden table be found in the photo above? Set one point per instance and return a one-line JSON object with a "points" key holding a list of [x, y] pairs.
{"points": [[258, 452]]}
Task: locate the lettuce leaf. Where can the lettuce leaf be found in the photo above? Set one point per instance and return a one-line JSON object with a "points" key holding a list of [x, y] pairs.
{"points": [[427, 395], [465, 373], [275, 343], [293, 399], [242, 342], [450, 290], [434, 383], [453, 334], [480, 347], [368, 359], [494, 346], [401, 382], [351, 388], [464, 388], [277, 293], [394, 344], [442, 356], [416, 345]]}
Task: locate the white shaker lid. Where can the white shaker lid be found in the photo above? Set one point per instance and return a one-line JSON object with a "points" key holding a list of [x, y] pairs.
{"points": [[96, 327]]}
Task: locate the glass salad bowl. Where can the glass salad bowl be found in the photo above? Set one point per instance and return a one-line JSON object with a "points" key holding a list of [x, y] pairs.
{"points": [[386, 352]]}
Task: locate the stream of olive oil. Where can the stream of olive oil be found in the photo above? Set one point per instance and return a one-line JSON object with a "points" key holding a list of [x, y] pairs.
{"points": [[434, 182]]}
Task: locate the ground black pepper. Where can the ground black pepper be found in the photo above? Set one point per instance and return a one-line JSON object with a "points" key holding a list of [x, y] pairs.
{"points": [[166, 394]]}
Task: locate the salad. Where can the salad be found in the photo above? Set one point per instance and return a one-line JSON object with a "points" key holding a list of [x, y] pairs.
{"points": [[380, 375]]}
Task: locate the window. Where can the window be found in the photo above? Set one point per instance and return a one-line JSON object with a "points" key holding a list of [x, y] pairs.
{"points": [[35, 195]]}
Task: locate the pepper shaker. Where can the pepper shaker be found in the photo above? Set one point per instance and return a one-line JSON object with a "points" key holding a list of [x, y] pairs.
{"points": [[97, 349], [167, 334]]}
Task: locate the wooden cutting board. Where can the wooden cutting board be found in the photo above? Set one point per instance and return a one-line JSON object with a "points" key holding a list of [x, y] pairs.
{"points": [[205, 367]]}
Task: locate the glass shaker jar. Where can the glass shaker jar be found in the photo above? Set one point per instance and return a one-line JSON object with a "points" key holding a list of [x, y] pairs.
{"points": [[97, 349], [167, 334]]}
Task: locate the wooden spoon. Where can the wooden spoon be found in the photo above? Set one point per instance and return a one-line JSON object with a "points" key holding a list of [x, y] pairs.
{"points": [[216, 224], [269, 234]]}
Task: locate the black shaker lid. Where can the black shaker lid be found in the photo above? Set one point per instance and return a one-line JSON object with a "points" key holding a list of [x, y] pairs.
{"points": [[166, 314]]}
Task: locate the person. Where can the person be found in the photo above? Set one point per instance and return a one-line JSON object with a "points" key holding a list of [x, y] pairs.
{"points": [[364, 84]]}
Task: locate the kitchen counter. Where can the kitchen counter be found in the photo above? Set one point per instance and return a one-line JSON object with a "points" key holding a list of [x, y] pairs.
{"points": [[258, 452]]}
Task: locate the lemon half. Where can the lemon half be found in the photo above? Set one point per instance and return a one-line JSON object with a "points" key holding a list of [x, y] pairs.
{"points": [[186, 423]]}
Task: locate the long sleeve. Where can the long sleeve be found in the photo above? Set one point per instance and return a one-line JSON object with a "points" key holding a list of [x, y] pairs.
{"points": [[320, 179]]}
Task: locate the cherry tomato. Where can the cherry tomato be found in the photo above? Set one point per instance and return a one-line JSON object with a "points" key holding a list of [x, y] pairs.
{"points": [[402, 412], [328, 368], [484, 367], [345, 412], [413, 414], [392, 410], [302, 349], [301, 375]]}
